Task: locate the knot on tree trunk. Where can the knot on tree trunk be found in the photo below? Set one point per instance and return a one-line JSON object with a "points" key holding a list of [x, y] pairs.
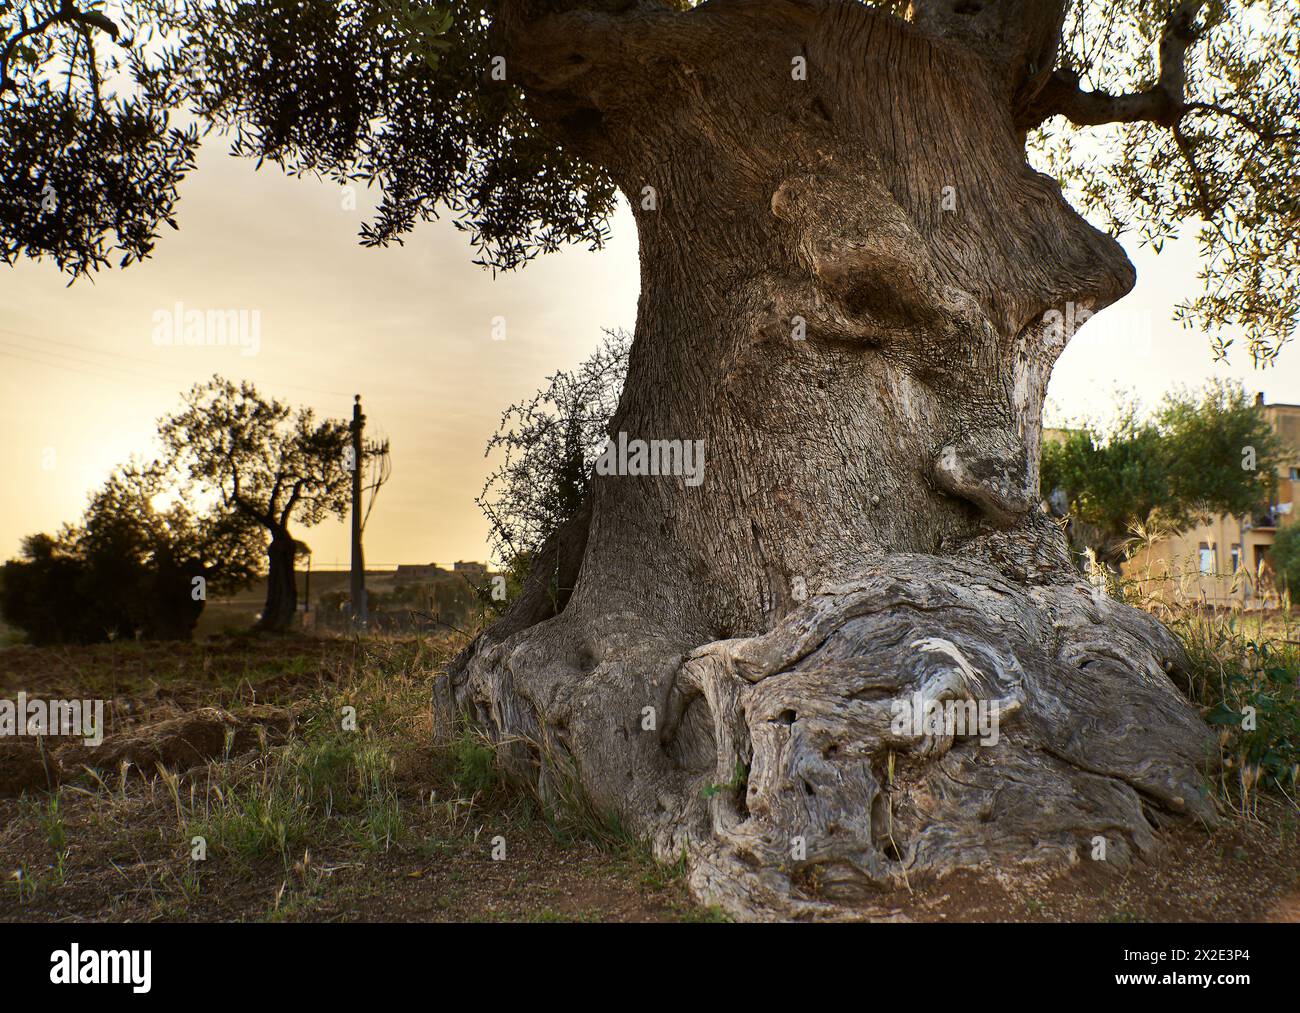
{"points": [[990, 470], [874, 266]]}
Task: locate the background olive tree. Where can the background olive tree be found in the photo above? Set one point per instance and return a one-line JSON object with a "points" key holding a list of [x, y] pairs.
{"points": [[1199, 454], [264, 463]]}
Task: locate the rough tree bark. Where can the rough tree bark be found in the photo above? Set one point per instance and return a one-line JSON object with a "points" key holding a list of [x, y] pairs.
{"points": [[867, 528]]}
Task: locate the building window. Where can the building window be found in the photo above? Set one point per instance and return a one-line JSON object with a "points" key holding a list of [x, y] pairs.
{"points": [[1295, 474], [1236, 558], [1207, 559]]}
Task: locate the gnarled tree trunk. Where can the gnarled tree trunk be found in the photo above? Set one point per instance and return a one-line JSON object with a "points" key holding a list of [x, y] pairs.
{"points": [[281, 586], [849, 274]]}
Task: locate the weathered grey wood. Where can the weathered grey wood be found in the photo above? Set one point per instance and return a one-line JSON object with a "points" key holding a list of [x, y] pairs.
{"points": [[867, 527], [1094, 739]]}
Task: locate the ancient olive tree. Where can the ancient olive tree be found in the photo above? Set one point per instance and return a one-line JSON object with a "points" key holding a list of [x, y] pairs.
{"points": [[853, 289], [266, 463]]}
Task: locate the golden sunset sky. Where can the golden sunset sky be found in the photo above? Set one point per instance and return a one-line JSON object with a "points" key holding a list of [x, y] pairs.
{"points": [[409, 328]]}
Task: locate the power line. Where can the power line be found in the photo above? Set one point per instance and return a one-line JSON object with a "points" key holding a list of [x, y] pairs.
{"points": [[83, 348], [78, 362], [187, 378], [77, 369]]}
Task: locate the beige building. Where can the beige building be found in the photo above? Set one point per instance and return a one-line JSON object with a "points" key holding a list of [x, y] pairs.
{"points": [[1225, 561]]}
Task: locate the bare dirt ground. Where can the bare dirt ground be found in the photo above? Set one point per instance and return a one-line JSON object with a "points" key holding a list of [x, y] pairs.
{"points": [[303, 819]]}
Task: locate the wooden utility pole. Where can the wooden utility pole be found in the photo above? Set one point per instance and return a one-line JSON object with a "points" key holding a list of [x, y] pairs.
{"points": [[358, 585]]}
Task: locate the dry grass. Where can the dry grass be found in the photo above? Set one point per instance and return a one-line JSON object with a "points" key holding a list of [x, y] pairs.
{"points": [[361, 812]]}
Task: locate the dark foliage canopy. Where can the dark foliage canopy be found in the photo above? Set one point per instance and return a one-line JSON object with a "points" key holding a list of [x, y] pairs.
{"points": [[387, 93], [1158, 115]]}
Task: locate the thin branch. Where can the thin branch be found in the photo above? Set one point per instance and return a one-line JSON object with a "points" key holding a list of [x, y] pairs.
{"points": [[68, 14], [1250, 124], [1165, 103], [1203, 201]]}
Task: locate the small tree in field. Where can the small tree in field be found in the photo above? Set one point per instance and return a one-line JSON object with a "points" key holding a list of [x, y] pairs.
{"points": [[544, 481], [265, 462], [550, 442], [43, 596], [1201, 453], [185, 555]]}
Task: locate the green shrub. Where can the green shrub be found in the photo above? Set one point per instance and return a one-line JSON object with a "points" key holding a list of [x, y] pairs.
{"points": [[1284, 557], [1248, 687], [476, 763]]}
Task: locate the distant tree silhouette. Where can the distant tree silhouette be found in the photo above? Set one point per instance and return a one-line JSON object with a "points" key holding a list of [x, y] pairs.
{"points": [[127, 569], [263, 463], [44, 595]]}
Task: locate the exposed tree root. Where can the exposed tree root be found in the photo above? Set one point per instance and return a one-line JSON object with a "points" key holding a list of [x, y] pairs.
{"points": [[789, 768]]}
